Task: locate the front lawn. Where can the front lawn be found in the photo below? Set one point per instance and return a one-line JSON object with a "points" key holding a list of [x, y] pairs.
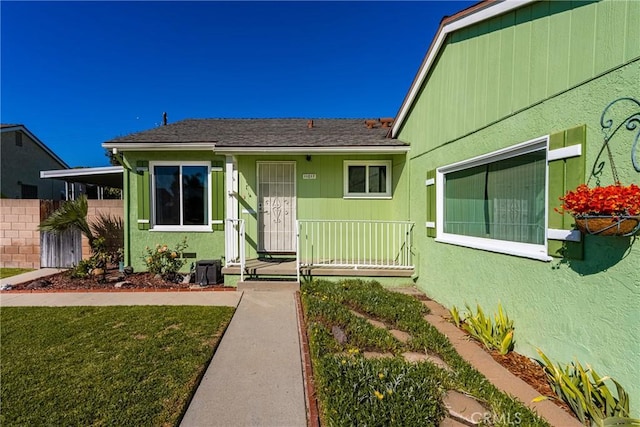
{"points": [[104, 365], [362, 371], [8, 272]]}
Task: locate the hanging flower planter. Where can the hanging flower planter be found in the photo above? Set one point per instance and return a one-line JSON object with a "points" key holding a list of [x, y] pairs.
{"points": [[608, 225], [605, 211]]}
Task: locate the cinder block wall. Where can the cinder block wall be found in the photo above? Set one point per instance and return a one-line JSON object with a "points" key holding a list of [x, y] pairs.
{"points": [[110, 207], [19, 235]]}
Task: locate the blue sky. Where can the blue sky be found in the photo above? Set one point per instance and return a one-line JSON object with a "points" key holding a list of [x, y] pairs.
{"points": [[80, 73]]}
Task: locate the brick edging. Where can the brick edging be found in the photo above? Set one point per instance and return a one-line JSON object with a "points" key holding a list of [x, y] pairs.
{"points": [[313, 417], [112, 290]]}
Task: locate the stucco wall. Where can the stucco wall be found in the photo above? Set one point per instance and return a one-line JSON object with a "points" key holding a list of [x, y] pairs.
{"points": [[202, 245], [587, 310], [22, 164]]}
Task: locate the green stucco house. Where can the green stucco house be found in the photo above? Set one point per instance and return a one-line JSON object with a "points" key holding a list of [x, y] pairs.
{"points": [[271, 197], [503, 117], [455, 194]]}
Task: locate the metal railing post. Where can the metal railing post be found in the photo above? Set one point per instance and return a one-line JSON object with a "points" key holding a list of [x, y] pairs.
{"points": [[242, 252], [298, 250]]}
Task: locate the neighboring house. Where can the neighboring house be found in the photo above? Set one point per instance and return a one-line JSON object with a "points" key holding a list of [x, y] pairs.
{"points": [[502, 118], [22, 157], [226, 183]]}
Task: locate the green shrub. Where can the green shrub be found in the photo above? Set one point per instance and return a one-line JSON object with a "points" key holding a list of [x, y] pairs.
{"points": [[494, 336], [83, 269], [164, 260], [110, 229], [587, 394]]}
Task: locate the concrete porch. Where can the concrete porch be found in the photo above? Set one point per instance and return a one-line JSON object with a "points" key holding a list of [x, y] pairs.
{"points": [[286, 268]]}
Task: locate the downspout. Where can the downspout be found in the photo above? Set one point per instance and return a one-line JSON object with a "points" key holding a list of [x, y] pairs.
{"points": [[127, 226]]}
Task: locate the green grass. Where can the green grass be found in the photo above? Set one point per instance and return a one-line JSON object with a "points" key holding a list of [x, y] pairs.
{"points": [[355, 391], [104, 366], [8, 272]]}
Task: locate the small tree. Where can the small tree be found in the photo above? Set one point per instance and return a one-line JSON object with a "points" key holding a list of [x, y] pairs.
{"points": [[72, 214], [105, 234]]}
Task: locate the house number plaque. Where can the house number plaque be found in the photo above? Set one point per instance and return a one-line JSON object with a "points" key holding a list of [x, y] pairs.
{"points": [[309, 176]]}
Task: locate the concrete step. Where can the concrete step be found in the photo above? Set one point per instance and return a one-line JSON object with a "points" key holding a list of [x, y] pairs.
{"points": [[269, 285]]}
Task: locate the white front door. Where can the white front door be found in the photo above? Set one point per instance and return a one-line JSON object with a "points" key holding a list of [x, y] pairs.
{"points": [[276, 206]]}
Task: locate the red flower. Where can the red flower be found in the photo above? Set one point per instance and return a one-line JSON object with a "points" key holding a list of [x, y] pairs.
{"points": [[613, 200]]}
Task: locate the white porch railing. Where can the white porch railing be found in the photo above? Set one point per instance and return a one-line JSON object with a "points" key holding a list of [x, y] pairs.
{"points": [[235, 254], [356, 244]]}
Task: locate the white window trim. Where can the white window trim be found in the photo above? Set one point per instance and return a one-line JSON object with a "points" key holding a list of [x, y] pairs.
{"points": [[526, 250], [367, 195], [181, 228]]}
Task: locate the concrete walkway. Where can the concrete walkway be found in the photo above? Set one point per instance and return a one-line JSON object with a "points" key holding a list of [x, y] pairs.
{"points": [[62, 299], [255, 376], [30, 275]]}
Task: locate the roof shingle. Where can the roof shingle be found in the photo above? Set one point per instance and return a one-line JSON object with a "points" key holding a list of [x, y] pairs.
{"points": [[235, 133]]}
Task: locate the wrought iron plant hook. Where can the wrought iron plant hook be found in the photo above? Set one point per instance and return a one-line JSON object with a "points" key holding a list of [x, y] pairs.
{"points": [[631, 123]]}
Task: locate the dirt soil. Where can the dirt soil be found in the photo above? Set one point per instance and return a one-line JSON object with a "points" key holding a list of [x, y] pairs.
{"points": [[112, 281]]}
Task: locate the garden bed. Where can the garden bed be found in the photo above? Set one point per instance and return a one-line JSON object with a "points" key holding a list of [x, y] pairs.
{"points": [[112, 281], [363, 342]]}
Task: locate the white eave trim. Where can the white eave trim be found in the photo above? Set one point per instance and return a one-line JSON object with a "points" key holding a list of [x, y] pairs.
{"points": [[383, 149], [68, 173], [160, 146], [490, 11]]}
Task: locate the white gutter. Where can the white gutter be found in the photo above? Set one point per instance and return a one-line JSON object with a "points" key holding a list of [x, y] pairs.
{"points": [[160, 146], [383, 149], [490, 11]]}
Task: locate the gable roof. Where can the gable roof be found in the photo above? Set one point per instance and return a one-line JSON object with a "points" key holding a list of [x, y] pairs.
{"points": [[18, 127], [261, 135], [480, 12]]}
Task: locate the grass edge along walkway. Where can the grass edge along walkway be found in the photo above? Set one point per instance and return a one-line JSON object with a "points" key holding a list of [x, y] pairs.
{"points": [[104, 365]]}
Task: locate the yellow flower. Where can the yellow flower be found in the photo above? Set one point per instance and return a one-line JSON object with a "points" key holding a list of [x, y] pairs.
{"points": [[173, 254], [344, 362], [378, 394], [389, 391], [381, 375]]}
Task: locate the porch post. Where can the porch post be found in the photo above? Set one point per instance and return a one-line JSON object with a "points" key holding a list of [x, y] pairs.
{"points": [[231, 190]]}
